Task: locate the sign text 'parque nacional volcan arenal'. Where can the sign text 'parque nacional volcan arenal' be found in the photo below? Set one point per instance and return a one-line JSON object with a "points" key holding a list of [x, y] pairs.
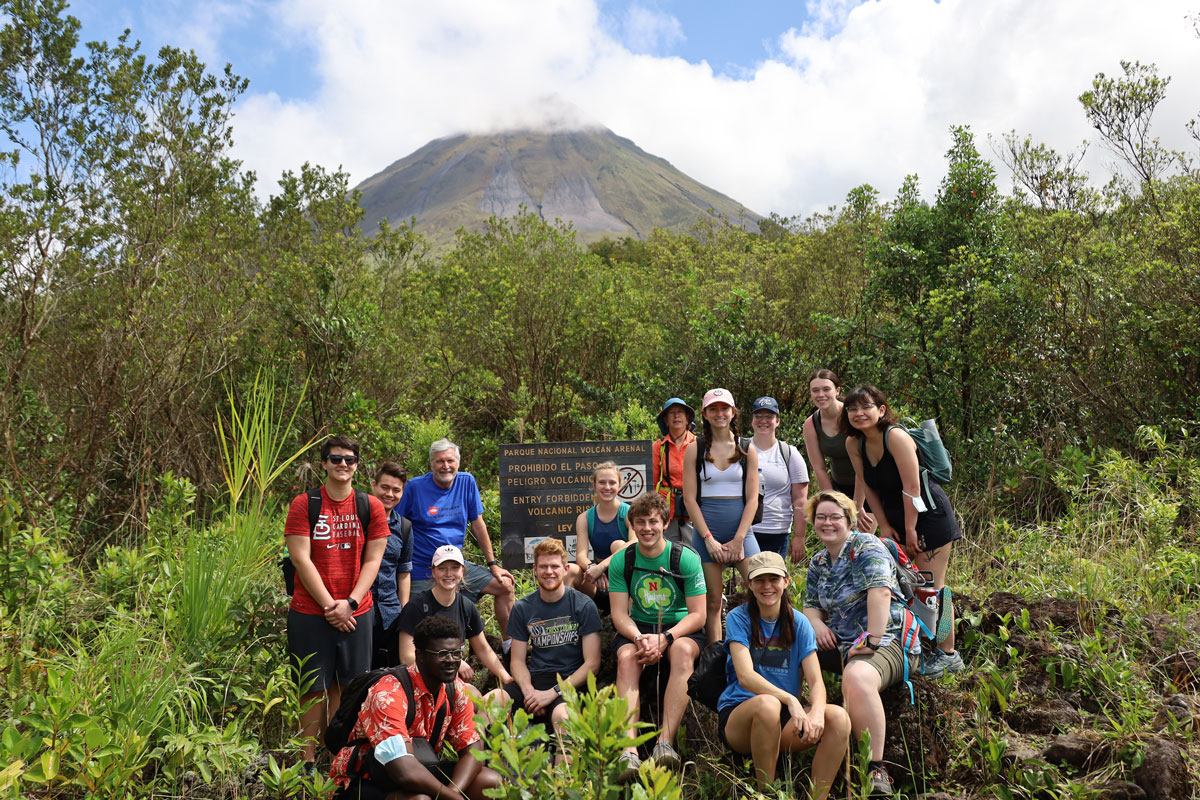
{"points": [[544, 486]]}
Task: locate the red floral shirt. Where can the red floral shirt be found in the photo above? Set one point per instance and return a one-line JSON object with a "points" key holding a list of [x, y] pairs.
{"points": [[385, 708]]}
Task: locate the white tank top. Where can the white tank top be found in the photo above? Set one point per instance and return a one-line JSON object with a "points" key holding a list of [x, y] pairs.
{"points": [[721, 483]]}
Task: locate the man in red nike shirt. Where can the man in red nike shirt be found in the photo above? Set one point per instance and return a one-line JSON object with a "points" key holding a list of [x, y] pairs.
{"points": [[336, 562]]}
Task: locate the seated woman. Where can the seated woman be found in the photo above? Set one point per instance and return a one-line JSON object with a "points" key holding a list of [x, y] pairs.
{"points": [[445, 598], [863, 629], [770, 646], [602, 530]]}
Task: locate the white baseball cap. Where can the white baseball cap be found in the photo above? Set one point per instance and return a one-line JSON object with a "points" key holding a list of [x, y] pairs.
{"points": [[447, 552]]}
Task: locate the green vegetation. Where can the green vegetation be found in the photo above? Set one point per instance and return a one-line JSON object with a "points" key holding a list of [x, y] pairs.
{"points": [[168, 341]]}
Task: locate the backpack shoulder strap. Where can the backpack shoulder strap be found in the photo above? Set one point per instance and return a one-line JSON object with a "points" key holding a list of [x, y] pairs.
{"points": [[664, 464], [591, 521], [630, 559], [406, 684], [786, 450], [314, 508], [676, 569], [744, 444], [405, 526], [622, 521], [444, 710], [362, 504]]}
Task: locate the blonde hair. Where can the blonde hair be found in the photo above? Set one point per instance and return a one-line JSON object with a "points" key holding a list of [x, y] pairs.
{"points": [[602, 466], [843, 502]]}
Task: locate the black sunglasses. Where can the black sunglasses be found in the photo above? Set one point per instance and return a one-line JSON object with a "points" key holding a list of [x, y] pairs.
{"points": [[339, 459]]}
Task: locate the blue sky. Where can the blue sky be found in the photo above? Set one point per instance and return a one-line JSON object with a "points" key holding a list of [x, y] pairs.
{"points": [[784, 106]]}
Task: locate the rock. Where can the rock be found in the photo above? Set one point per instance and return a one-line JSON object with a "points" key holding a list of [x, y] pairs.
{"points": [[1049, 717], [1119, 790], [1183, 669], [1163, 774], [916, 744], [1082, 752], [1019, 756], [1180, 709]]}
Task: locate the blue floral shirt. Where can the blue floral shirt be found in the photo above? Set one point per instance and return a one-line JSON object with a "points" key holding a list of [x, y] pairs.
{"points": [[839, 587]]}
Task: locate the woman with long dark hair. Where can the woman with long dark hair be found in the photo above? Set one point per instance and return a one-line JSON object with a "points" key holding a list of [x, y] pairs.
{"points": [[825, 442], [720, 490], [771, 648], [914, 510]]}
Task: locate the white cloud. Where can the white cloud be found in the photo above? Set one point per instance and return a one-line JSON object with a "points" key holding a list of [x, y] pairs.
{"points": [[862, 94], [649, 31]]}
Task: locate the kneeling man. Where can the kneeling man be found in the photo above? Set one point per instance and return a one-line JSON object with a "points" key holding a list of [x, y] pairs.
{"points": [[386, 765], [658, 611], [555, 633]]}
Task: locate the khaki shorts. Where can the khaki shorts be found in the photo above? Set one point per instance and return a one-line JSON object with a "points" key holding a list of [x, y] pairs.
{"points": [[887, 661]]}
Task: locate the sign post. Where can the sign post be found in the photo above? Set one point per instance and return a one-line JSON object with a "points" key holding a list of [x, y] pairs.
{"points": [[544, 486]]}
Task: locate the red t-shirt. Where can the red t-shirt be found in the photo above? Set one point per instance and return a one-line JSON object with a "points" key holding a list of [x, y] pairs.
{"points": [[336, 548]]}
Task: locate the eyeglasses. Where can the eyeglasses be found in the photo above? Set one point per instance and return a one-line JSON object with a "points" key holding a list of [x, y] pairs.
{"points": [[829, 517], [444, 655], [860, 407], [335, 460]]}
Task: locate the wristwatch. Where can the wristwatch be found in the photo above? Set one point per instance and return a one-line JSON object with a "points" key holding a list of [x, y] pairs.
{"points": [[558, 690], [493, 563], [353, 603], [670, 637]]}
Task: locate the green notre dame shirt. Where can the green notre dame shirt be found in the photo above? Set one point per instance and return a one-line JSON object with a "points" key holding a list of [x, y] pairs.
{"points": [[653, 588]]}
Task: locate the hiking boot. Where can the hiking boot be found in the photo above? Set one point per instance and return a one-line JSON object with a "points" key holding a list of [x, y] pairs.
{"points": [[665, 755], [881, 782], [629, 764], [939, 662]]}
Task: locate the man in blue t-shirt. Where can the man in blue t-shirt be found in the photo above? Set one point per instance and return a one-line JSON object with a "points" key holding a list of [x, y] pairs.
{"points": [[441, 504]]}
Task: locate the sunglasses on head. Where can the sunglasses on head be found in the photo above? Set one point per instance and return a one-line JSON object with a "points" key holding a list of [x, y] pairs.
{"points": [[339, 459]]}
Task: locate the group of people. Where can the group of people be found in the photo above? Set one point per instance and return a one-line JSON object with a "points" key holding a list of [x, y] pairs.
{"points": [[660, 562]]}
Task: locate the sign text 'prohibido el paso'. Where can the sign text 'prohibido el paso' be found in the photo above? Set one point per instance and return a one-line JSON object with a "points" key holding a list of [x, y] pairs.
{"points": [[544, 486]]}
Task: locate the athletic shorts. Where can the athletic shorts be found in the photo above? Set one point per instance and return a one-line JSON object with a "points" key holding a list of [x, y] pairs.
{"points": [[887, 661], [474, 581], [541, 681], [333, 656], [619, 641], [785, 716]]}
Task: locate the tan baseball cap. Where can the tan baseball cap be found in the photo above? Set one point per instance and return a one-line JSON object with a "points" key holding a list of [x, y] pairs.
{"points": [[765, 563], [447, 552]]}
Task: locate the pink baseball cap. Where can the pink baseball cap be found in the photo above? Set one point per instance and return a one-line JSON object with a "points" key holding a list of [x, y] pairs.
{"points": [[717, 396], [447, 552]]}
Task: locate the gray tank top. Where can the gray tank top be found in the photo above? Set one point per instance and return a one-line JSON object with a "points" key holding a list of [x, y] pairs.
{"points": [[834, 449]]}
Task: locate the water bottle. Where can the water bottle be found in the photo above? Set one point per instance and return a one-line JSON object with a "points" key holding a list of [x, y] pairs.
{"points": [[931, 426]]}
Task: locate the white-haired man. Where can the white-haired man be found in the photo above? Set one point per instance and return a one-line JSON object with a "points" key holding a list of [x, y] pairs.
{"points": [[442, 504]]}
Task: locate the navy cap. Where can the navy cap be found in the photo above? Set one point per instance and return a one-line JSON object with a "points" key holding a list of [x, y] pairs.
{"points": [[675, 401], [766, 404]]}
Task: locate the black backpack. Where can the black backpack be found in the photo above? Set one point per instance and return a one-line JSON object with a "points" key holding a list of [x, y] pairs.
{"points": [[744, 443], [708, 679], [676, 555], [362, 505], [337, 735]]}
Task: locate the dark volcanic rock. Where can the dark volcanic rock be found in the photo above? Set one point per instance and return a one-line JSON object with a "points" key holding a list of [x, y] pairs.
{"points": [[1163, 774], [916, 743], [1050, 717], [1180, 708], [1085, 753], [1119, 790]]}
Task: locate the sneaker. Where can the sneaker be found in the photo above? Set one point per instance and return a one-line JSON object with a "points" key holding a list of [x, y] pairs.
{"points": [[665, 755], [881, 782], [629, 764], [938, 662]]}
